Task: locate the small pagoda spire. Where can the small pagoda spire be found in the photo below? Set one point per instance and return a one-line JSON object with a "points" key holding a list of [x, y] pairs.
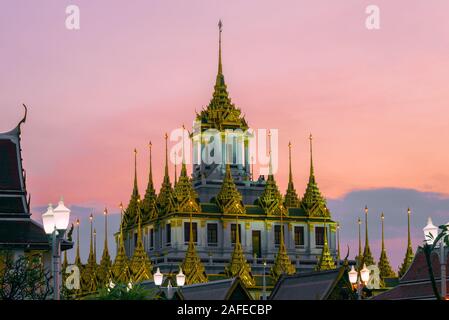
{"points": [[192, 266], [130, 215], [120, 268], [77, 255], [384, 264], [291, 197], [367, 256], [409, 255], [229, 198], [186, 197], [149, 201], [105, 262], [166, 199], [271, 199], [359, 256], [89, 274], [326, 261], [338, 243], [220, 67], [140, 264], [313, 201], [238, 266], [282, 263]]}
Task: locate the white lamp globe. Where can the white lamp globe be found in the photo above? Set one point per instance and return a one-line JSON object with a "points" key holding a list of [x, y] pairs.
{"points": [[352, 275], [364, 274], [62, 215], [180, 278], [158, 277], [48, 220], [430, 231]]}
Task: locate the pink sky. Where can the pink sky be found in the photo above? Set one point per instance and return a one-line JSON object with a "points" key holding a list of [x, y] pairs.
{"points": [[375, 101]]}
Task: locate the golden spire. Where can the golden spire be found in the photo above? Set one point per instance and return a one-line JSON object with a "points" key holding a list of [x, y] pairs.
{"points": [[409, 255], [220, 67], [130, 214], [229, 198], [120, 268], [238, 266], [174, 184], [166, 199], [291, 197], [95, 244], [338, 242], [367, 256], [140, 263], [282, 263], [384, 265], [89, 275], [192, 266], [326, 262], [105, 263], [312, 201], [149, 201], [77, 256], [359, 222]]}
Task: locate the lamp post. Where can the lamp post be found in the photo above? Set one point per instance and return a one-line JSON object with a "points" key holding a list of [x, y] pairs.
{"points": [[430, 234], [55, 223], [264, 283], [169, 289], [359, 279]]}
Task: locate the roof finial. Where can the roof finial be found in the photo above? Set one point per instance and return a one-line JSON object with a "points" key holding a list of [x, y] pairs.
{"points": [[366, 226], [135, 169], [359, 222], [220, 25], [311, 156], [270, 168], [382, 217], [105, 212], [409, 241], [166, 154], [290, 176], [150, 145]]}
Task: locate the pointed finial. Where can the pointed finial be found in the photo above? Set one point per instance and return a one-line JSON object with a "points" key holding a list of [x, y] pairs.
{"points": [[311, 155], [366, 226], [359, 221], [382, 218], [290, 175], [166, 154], [220, 68]]}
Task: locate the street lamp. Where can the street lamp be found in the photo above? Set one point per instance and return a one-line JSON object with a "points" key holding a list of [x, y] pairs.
{"points": [[359, 279], [55, 223], [169, 289], [430, 235]]}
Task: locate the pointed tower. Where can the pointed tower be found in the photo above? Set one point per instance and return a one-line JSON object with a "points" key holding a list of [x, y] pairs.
{"points": [[291, 197], [367, 256], [150, 199], [282, 263], [238, 267], [186, 197], [312, 201], [78, 262], [326, 261], [271, 199], [408, 259], [89, 274], [192, 266], [229, 199], [120, 268], [130, 215], [166, 198], [105, 263], [384, 264], [140, 263]]}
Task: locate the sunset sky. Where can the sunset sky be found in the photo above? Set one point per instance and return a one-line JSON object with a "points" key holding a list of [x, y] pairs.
{"points": [[376, 101]]}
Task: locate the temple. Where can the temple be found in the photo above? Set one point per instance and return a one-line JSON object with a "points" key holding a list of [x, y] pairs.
{"points": [[222, 221]]}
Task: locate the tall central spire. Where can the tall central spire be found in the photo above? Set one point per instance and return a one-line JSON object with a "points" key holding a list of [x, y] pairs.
{"points": [[367, 256], [220, 67]]}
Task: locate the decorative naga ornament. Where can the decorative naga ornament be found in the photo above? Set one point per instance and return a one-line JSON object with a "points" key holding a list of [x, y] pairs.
{"points": [[186, 197], [238, 266], [367, 256], [313, 202], [140, 264], [192, 266], [282, 263], [166, 199], [408, 259], [385, 270], [150, 199], [326, 261], [291, 197], [229, 198]]}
